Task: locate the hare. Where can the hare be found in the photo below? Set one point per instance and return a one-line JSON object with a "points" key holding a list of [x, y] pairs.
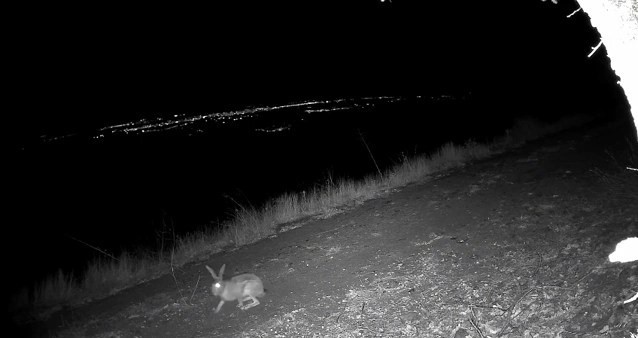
{"points": [[241, 288]]}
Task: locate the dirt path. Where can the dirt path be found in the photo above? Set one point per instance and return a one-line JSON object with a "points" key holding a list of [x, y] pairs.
{"points": [[511, 246]]}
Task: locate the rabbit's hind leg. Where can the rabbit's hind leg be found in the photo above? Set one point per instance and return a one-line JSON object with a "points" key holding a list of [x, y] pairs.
{"points": [[254, 302]]}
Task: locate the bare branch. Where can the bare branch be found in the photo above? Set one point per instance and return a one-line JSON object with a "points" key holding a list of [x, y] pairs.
{"points": [[574, 12], [94, 248], [594, 49]]}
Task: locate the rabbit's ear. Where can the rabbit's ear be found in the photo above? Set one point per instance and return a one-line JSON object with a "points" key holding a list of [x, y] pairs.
{"points": [[221, 271], [212, 272]]}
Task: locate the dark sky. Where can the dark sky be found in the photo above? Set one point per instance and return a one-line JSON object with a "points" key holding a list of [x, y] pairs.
{"points": [[76, 66]]}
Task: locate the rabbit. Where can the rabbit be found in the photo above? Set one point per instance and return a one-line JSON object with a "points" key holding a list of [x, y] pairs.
{"points": [[241, 288]]}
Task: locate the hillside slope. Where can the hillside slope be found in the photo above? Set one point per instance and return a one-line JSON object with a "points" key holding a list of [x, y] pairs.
{"points": [[513, 245]]}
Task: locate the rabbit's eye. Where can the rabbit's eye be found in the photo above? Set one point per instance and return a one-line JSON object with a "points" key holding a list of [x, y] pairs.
{"points": [[217, 285]]}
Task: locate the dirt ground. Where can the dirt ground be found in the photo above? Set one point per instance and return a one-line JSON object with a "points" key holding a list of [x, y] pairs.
{"points": [[512, 246]]}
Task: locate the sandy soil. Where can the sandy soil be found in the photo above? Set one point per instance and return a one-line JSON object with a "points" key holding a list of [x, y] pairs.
{"points": [[512, 246]]}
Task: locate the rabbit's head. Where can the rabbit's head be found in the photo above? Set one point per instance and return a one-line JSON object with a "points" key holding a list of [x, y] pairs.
{"points": [[218, 286]]}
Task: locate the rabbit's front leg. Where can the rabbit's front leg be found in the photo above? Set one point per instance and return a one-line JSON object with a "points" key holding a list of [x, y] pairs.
{"points": [[219, 306]]}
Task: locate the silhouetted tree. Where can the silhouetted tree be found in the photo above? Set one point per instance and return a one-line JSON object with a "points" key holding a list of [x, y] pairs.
{"points": [[617, 23]]}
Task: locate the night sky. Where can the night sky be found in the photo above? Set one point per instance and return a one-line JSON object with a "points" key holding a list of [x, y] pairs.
{"points": [[79, 67]]}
